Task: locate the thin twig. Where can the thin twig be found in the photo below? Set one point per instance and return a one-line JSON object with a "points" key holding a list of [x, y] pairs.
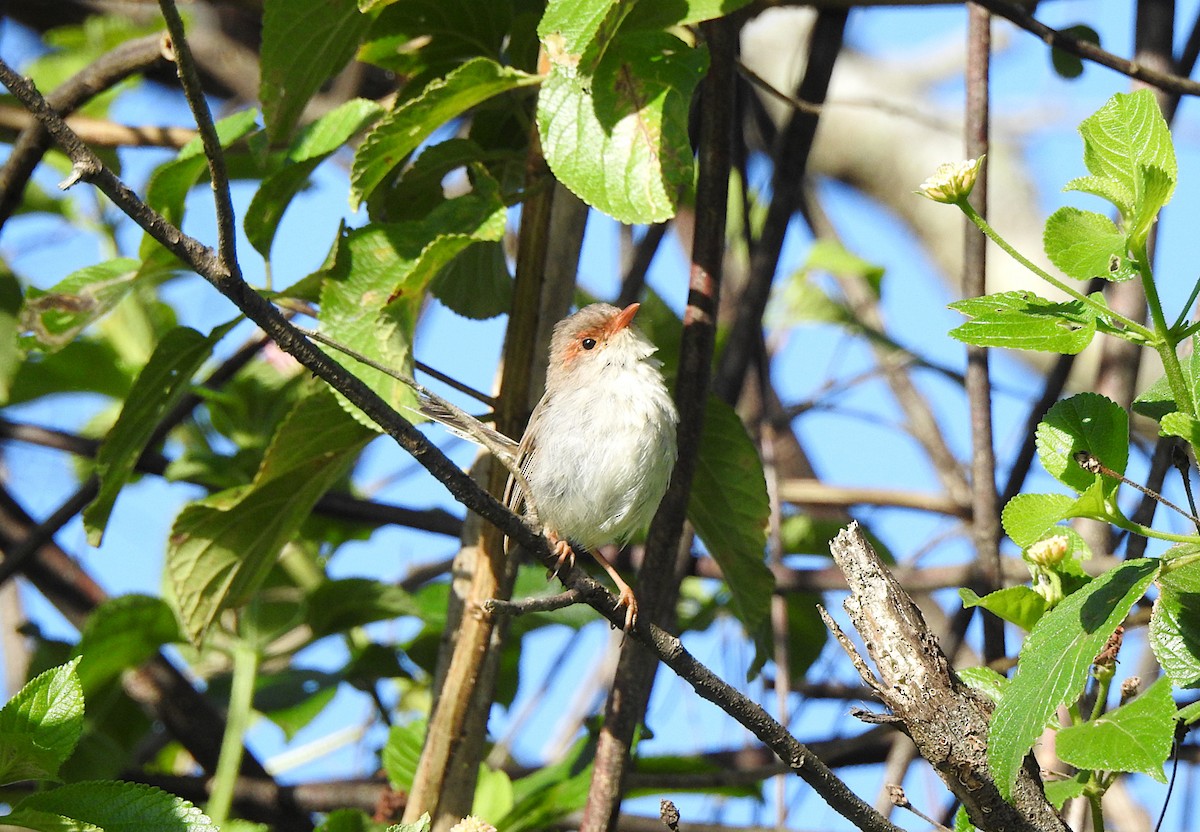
{"points": [[543, 603], [193, 91]]}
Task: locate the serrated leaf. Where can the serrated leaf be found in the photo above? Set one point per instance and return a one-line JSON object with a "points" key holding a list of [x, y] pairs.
{"points": [[1158, 400], [1018, 605], [315, 143], [1104, 188], [1181, 568], [222, 547], [447, 34], [400, 133], [402, 752], [1059, 792], [1179, 424], [990, 683], [112, 806], [1122, 141], [729, 508], [1055, 660], [1024, 321], [1084, 422], [336, 606], [476, 283], [551, 792], [304, 42], [574, 25], [371, 296], [40, 726], [1175, 636], [685, 13], [121, 633], [169, 184], [1084, 244], [618, 138], [160, 385], [1027, 516], [1135, 737], [55, 317]]}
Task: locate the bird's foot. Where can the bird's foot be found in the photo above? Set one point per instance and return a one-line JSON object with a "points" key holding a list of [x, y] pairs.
{"points": [[626, 599], [564, 554]]}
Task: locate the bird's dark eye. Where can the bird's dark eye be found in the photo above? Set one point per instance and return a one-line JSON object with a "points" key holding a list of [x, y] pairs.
{"points": [[588, 343]]}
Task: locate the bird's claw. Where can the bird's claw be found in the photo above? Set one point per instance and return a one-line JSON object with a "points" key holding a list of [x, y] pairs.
{"points": [[564, 555], [626, 599]]}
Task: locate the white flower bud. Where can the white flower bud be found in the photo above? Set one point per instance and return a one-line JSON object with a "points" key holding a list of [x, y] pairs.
{"points": [[952, 181]]}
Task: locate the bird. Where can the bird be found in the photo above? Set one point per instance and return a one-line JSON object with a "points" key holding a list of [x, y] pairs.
{"points": [[597, 454]]}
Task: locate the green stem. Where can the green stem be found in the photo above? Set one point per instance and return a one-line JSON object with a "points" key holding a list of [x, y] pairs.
{"points": [[1165, 342], [1103, 683], [982, 224], [241, 695], [1097, 815], [1146, 531], [1186, 310]]}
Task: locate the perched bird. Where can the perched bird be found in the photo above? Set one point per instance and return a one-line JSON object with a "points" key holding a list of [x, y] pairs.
{"points": [[599, 449]]}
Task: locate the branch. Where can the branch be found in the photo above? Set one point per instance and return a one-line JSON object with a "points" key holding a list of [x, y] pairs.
{"points": [[102, 74], [1085, 49], [947, 721]]}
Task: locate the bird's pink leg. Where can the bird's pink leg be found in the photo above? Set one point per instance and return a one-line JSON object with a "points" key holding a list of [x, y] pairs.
{"points": [[566, 555]]}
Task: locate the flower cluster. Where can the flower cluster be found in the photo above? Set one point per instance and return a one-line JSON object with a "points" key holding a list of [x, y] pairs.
{"points": [[952, 182]]}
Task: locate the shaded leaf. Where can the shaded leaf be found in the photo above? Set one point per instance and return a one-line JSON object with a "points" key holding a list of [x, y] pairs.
{"points": [[337, 606], [165, 379], [400, 132], [40, 726], [1084, 422], [1135, 737], [223, 546], [121, 633], [1175, 636], [113, 807], [1018, 605], [55, 317], [729, 508], [304, 42], [1054, 663], [617, 138], [1024, 321]]}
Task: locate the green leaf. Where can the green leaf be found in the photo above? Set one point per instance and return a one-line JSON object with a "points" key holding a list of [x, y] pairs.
{"points": [[729, 508], [1066, 64], [552, 792], [337, 606], [574, 25], [990, 683], [121, 633], [493, 794], [1023, 321], [1135, 737], [346, 820], [707, 777], [371, 296], [165, 379], [1084, 244], [1158, 400], [292, 699], [617, 137], [304, 42], [1059, 792], [402, 752], [87, 365], [1027, 516], [402, 131], [1181, 568], [1084, 422], [1175, 636], [1018, 605], [222, 547], [1179, 424], [315, 143], [447, 34], [57, 316], [10, 308], [112, 807], [40, 726], [422, 825], [685, 13], [1055, 661], [170, 183], [1127, 145], [476, 283]]}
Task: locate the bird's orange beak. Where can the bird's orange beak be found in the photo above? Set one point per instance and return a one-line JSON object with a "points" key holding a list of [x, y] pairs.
{"points": [[625, 317]]}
